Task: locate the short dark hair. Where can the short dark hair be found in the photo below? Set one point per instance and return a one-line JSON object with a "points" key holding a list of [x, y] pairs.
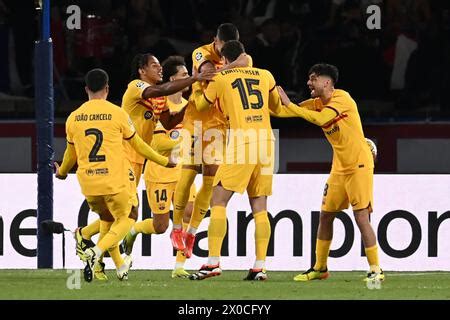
{"points": [[170, 66], [227, 32], [139, 61], [96, 80], [232, 50], [324, 69]]}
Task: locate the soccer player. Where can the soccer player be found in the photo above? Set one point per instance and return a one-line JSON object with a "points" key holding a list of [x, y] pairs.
{"points": [[160, 182], [145, 102], [95, 133], [245, 96], [351, 177], [210, 124]]}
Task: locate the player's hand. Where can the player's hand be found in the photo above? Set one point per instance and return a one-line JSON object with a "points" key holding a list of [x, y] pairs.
{"points": [[206, 75], [242, 61], [284, 97], [57, 174]]}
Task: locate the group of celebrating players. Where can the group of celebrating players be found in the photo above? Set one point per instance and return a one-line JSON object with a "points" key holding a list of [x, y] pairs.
{"points": [[223, 131]]}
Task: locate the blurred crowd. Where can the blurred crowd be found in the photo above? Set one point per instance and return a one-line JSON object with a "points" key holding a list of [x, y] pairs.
{"points": [[406, 62]]}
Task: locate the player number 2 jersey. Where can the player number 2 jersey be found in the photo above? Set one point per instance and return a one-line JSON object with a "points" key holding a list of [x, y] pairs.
{"points": [[97, 130]]}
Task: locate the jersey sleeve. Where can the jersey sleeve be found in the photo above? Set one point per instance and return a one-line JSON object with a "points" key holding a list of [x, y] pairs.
{"points": [[136, 88], [271, 80], [338, 104], [159, 105], [211, 93], [199, 57], [69, 133], [309, 104], [128, 130]]}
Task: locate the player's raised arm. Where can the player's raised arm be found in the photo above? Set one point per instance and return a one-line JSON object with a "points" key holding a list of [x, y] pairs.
{"points": [[172, 87], [244, 60], [290, 109], [146, 151], [169, 120]]}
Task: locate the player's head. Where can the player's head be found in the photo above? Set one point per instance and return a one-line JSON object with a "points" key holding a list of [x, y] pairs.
{"points": [[174, 68], [97, 82], [231, 50], [322, 77], [146, 67], [225, 32]]}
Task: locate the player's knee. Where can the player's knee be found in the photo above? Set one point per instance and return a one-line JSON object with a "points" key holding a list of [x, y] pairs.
{"points": [[160, 226], [133, 213], [362, 218], [326, 218], [210, 170], [217, 201]]}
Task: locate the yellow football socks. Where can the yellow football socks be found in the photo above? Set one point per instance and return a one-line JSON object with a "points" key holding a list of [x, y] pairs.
{"points": [[217, 230], [181, 195], [90, 230], [116, 233], [114, 251], [202, 201], [372, 258], [262, 234], [144, 226], [322, 252]]}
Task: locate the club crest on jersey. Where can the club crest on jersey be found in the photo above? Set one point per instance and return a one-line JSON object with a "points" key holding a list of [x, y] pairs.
{"points": [[198, 56], [174, 134], [161, 206], [148, 115]]}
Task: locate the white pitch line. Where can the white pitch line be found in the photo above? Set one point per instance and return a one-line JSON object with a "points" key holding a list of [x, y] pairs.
{"points": [[401, 274]]}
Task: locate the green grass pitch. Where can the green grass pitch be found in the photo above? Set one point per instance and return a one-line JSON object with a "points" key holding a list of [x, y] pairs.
{"points": [[154, 285]]}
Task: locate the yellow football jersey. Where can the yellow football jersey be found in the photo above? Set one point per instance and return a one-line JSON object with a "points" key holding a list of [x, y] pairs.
{"points": [[143, 113], [242, 94], [345, 133], [97, 130], [154, 172], [213, 117]]}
